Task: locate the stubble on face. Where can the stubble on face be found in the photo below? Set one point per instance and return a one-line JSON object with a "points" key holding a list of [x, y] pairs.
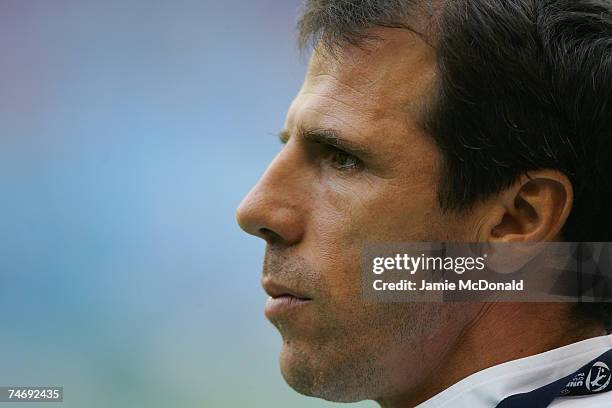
{"points": [[346, 350]]}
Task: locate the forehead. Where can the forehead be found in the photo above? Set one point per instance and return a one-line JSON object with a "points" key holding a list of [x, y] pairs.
{"points": [[387, 80]]}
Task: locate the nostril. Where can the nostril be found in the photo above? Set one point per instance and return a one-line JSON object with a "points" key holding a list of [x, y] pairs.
{"points": [[269, 235]]}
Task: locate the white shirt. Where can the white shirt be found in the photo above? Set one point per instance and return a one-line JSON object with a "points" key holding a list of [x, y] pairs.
{"points": [[486, 388]]}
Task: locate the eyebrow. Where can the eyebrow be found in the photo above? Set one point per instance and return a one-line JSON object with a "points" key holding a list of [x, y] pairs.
{"points": [[329, 137]]}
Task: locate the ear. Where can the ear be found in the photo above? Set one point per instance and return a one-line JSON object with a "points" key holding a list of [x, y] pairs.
{"points": [[534, 209]]}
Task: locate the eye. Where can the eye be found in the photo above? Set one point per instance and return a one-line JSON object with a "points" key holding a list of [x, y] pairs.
{"points": [[342, 160]]}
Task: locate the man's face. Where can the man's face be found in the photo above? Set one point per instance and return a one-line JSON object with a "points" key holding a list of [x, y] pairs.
{"points": [[356, 168]]}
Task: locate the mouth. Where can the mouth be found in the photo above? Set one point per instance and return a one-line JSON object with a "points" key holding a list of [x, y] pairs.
{"points": [[282, 299]]}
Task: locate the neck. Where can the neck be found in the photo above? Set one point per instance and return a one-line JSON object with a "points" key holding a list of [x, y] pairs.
{"points": [[500, 332]]}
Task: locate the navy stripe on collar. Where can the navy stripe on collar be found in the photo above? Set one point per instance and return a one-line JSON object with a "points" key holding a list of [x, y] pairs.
{"points": [[592, 378]]}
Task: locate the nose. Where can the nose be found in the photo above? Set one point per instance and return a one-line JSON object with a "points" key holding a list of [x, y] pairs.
{"points": [[274, 209]]}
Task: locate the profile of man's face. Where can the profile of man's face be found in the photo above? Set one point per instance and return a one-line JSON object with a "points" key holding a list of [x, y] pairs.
{"points": [[356, 168]]}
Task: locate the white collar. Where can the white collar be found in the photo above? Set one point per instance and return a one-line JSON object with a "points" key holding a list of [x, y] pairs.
{"points": [[486, 388]]}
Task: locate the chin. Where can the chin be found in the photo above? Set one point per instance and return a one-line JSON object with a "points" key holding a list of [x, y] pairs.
{"points": [[318, 372]]}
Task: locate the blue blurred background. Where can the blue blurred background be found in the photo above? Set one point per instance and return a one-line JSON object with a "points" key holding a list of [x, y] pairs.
{"points": [[130, 131]]}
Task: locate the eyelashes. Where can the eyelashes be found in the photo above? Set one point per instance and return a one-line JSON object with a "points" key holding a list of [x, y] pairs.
{"points": [[343, 161]]}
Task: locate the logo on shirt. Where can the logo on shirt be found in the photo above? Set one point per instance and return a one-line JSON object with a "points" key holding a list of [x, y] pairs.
{"points": [[576, 381], [598, 378]]}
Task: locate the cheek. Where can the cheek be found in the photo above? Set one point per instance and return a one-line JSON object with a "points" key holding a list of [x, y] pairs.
{"points": [[379, 212], [347, 211], [346, 219]]}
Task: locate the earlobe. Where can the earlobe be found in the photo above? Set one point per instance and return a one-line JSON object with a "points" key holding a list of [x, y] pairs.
{"points": [[534, 209]]}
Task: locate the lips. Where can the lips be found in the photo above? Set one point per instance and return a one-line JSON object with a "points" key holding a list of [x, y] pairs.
{"points": [[283, 299], [275, 290]]}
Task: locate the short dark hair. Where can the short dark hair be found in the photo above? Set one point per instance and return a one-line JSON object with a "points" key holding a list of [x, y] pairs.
{"points": [[522, 85]]}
